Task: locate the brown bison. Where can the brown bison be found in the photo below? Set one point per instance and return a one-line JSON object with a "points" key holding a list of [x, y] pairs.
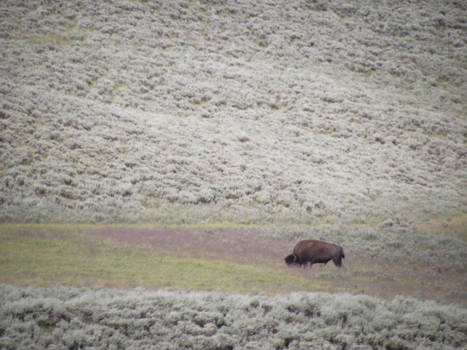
{"points": [[315, 252]]}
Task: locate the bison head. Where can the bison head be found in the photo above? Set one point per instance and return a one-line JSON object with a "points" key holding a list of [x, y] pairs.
{"points": [[291, 259]]}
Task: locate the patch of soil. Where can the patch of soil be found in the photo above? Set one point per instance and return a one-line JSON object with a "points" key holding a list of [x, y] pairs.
{"points": [[233, 245]]}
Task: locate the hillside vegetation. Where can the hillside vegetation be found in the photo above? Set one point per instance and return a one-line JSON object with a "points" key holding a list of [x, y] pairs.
{"points": [[187, 111]]}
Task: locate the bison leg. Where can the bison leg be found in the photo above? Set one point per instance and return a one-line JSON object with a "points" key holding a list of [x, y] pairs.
{"points": [[337, 261]]}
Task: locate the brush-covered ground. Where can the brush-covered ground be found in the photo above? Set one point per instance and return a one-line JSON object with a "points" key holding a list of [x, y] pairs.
{"points": [[97, 318], [227, 131], [252, 112]]}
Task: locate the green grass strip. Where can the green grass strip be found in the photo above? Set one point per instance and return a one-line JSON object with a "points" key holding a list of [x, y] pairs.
{"points": [[72, 256]]}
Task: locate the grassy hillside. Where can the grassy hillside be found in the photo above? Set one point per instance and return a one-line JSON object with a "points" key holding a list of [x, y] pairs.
{"points": [[189, 111]]}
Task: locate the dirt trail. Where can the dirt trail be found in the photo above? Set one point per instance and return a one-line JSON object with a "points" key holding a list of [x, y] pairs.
{"points": [[361, 274], [233, 245]]}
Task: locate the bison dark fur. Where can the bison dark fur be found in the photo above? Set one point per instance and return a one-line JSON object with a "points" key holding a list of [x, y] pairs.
{"points": [[315, 252]]}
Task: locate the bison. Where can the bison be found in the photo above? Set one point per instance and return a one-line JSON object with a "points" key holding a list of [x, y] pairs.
{"points": [[315, 252]]}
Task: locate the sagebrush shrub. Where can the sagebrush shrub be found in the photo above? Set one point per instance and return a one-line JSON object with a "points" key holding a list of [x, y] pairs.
{"points": [[99, 318]]}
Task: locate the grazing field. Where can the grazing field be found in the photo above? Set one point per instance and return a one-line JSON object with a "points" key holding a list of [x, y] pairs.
{"points": [[78, 257], [247, 260]]}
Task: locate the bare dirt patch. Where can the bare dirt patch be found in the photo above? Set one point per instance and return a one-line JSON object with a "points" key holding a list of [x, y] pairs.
{"points": [[234, 245]]}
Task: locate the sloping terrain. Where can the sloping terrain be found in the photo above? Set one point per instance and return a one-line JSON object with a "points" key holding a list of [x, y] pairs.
{"points": [[186, 111]]}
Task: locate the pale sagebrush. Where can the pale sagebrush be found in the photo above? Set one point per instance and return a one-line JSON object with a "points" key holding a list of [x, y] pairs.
{"points": [[129, 86], [100, 318]]}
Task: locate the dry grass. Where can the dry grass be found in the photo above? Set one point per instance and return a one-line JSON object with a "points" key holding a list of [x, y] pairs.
{"points": [[445, 225]]}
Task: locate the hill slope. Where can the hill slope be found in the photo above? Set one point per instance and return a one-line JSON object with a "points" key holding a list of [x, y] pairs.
{"points": [[252, 112]]}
